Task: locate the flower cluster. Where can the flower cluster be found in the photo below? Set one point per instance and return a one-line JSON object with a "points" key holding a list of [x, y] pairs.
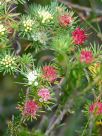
{"points": [[49, 73], [65, 20], [32, 77], [79, 36], [95, 69], [96, 108], [44, 94], [28, 23], [86, 56], [41, 37], [30, 108], [8, 63], [45, 16]]}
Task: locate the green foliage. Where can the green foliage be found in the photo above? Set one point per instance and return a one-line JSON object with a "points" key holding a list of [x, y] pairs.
{"points": [[18, 130], [25, 61], [97, 50], [63, 43]]}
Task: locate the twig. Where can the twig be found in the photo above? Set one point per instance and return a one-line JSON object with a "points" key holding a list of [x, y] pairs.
{"points": [[67, 106], [83, 8]]}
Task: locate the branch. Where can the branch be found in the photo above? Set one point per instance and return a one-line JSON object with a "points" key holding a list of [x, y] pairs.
{"points": [[82, 8], [67, 106]]}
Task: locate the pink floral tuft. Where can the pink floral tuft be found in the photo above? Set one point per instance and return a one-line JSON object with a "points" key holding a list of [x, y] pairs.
{"points": [[79, 36], [96, 108], [44, 93], [65, 20], [86, 56], [49, 72], [30, 108]]}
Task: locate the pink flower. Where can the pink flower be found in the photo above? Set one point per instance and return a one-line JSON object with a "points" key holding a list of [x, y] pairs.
{"points": [[86, 56], [49, 73], [65, 20], [44, 93], [96, 108], [30, 108], [79, 36]]}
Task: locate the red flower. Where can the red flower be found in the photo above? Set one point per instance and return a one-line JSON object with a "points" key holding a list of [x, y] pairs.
{"points": [[65, 20], [30, 108], [49, 73], [96, 108], [79, 36], [86, 56], [44, 93]]}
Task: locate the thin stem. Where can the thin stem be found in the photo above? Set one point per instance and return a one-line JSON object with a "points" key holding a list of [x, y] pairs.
{"points": [[85, 128]]}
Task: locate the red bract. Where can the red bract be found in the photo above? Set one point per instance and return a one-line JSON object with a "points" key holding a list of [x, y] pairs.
{"points": [[96, 108], [79, 36], [30, 108], [65, 20], [44, 93], [86, 56], [49, 73]]}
